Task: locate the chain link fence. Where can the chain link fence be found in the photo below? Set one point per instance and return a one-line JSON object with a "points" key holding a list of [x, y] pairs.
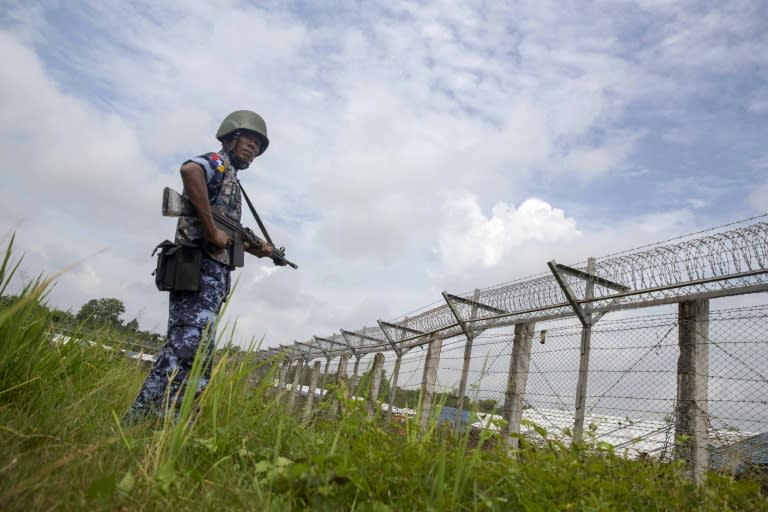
{"points": [[538, 353], [632, 379]]}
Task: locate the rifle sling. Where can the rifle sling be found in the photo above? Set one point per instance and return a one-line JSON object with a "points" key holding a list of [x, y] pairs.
{"points": [[255, 215]]}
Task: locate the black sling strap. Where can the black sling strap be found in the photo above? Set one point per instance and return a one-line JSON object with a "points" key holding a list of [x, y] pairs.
{"points": [[255, 215]]}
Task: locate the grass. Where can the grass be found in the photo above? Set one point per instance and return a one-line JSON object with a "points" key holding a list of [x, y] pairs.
{"points": [[238, 448]]}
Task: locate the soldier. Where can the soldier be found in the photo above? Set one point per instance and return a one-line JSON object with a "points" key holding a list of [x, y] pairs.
{"points": [[210, 182]]}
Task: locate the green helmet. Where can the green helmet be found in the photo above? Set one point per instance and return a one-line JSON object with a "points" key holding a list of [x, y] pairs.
{"points": [[244, 120]]}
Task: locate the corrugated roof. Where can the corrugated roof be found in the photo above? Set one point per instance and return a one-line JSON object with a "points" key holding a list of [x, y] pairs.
{"points": [[736, 457]]}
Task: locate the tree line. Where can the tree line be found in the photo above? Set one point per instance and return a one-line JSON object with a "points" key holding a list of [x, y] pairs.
{"points": [[100, 316]]}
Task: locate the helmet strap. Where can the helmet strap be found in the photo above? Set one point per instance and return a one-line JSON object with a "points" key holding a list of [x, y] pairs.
{"points": [[229, 147]]}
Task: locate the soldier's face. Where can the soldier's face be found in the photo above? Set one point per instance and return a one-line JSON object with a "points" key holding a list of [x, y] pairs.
{"points": [[248, 146]]}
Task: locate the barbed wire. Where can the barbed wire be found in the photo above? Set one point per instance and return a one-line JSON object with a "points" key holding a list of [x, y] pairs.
{"points": [[734, 260]]}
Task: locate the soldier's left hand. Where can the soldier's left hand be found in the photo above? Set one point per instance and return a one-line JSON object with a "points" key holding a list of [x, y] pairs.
{"points": [[262, 250]]}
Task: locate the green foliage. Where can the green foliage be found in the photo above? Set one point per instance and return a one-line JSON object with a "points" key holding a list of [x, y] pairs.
{"points": [[105, 311], [410, 398], [237, 448], [488, 405], [90, 326], [133, 325]]}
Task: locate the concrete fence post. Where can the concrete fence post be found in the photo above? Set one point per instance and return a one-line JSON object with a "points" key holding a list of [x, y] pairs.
{"points": [[295, 387], [393, 386], [519, 363], [325, 372], [373, 392], [429, 378], [312, 388], [586, 342], [354, 380], [342, 384], [341, 372], [470, 337], [692, 410], [283, 375]]}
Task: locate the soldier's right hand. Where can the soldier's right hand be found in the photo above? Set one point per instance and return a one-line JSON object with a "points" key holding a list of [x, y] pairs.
{"points": [[218, 238]]}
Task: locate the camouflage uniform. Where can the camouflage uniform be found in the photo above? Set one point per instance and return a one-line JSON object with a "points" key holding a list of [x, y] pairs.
{"points": [[192, 315]]}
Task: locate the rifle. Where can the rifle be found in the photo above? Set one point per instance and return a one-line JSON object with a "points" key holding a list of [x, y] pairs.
{"points": [[176, 205]]}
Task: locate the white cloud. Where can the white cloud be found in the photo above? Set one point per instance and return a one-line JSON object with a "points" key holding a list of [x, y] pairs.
{"points": [[589, 162], [665, 222], [375, 118], [758, 198], [468, 237], [717, 39], [79, 184], [697, 203], [261, 272], [85, 279]]}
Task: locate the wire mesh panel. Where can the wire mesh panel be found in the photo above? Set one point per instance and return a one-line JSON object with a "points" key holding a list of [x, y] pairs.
{"points": [[633, 383], [411, 368], [632, 378], [409, 378], [633, 367], [554, 368], [487, 371], [738, 376]]}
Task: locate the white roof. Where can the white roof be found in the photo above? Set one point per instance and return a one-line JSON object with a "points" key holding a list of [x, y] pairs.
{"points": [[639, 437]]}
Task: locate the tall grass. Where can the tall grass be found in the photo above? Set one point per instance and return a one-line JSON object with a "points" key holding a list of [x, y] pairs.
{"points": [[237, 448]]}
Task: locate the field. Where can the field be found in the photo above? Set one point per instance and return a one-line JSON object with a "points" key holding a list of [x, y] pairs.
{"points": [[237, 447]]}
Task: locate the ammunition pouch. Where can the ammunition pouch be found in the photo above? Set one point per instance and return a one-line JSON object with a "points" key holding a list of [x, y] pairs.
{"points": [[178, 266]]}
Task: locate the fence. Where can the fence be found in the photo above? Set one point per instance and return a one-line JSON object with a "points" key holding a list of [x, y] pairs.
{"points": [[678, 381]]}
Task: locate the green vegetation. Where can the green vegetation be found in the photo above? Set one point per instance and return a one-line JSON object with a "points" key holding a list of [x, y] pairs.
{"points": [[238, 448], [98, 319]]}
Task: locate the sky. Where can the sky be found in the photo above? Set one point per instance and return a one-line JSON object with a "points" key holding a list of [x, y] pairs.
{"points": [[415, 147]]}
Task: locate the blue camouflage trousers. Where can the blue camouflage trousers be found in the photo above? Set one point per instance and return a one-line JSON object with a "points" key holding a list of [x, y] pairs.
{"points": [[191, 315]]}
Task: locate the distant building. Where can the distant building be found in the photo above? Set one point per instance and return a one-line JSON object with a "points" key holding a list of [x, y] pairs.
{"points": [[738, 457]]}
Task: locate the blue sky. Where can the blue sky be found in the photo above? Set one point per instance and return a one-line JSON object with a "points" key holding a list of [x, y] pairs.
{"points": [[416, 146]]}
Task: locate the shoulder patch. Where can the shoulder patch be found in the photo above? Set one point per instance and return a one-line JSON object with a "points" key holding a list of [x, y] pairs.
{"points": [[217, 162]]}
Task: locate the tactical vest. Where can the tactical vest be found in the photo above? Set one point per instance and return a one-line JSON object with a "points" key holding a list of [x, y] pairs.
{"points": [[223, 196]]}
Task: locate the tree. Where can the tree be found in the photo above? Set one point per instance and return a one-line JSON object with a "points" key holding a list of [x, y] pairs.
{"points": [[407, 397], [105, 311], [487, 405], [133, 325], [63, 319]]}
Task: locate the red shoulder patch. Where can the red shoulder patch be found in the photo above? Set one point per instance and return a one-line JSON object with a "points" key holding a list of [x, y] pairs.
{"points": [[218, 162]]}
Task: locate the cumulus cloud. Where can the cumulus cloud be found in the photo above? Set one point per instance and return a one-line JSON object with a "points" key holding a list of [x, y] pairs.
{"points": [[467, 237]]}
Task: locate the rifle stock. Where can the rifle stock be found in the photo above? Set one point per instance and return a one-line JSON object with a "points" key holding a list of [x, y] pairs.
{"points": [[175, 205]]}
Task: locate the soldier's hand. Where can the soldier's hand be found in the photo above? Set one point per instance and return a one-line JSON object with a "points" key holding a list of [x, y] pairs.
{"points": [[261, 250], [218, 238]]}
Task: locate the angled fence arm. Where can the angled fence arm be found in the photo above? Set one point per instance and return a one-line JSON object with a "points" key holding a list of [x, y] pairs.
{"points": [[569, 295], [456, 315], [389, 339]]}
